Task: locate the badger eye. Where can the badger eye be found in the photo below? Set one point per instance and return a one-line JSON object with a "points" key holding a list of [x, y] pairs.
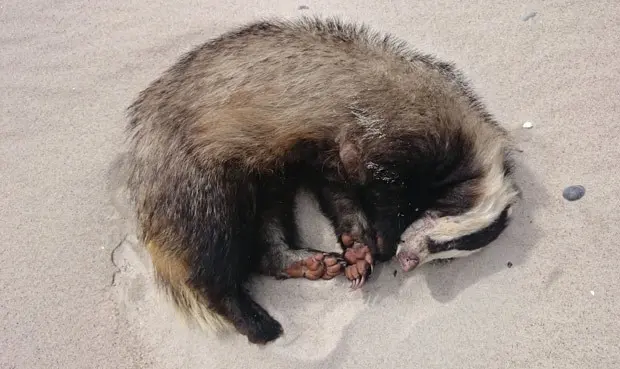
{"points": [[435, 247]]}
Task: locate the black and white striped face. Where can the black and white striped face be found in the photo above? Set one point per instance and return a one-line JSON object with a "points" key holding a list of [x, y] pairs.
{"points": [[435, 236]]}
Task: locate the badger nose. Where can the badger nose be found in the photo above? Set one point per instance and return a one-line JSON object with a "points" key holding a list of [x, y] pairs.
{"points": [[408, 260]]}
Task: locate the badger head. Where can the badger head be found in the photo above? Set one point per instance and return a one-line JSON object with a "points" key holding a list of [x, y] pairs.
{"points": [[477, 212], [435, 191]]}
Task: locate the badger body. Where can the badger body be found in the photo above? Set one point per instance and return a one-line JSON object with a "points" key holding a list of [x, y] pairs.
{"points": [[225, 138]]}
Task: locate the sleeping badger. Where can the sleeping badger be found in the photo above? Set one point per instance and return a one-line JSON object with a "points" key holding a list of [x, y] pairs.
{"points": [[404, 160]]}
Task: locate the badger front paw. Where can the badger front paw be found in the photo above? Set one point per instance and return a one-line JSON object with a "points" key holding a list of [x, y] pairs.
{"points": [[354, 229], [360, 265]]}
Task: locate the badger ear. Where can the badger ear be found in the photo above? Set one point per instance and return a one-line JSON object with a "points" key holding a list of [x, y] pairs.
{"points": [[351, 159]]}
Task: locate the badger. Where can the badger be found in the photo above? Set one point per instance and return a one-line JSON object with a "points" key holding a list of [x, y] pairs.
{"points": [[402, 156]]}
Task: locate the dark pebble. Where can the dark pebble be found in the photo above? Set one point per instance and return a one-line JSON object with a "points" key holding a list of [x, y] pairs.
{"points": [[572, 193], [303, 7], [509, 264], [395, 273]]}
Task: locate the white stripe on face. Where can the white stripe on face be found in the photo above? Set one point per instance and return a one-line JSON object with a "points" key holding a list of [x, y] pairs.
{"points": [[498, 193], [450, 254]]}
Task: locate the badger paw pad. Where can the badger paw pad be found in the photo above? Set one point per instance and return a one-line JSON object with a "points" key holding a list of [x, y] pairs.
{"points": [[318, 266]]}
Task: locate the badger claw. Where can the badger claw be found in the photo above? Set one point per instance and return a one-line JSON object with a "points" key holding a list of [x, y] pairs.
{"points": [[358, 283], [358, 273]]}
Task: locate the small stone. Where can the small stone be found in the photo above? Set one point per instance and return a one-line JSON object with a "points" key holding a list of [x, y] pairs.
{"points": [[592, 293], [528, 125], [303, 7], [395, 272], [573, 193], [509, 264]]}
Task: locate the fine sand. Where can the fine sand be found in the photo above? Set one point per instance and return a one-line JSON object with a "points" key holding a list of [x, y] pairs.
{"points": [[76, 290]]}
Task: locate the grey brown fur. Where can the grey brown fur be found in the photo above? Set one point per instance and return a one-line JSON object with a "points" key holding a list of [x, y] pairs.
{"points": [[223, 140]]}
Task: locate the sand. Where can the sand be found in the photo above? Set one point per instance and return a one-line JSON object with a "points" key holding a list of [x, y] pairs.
{"points": [[76, 290]]}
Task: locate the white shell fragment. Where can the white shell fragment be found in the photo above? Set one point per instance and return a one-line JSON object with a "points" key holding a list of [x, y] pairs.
{"points": [[528, 125], [528, 16]]}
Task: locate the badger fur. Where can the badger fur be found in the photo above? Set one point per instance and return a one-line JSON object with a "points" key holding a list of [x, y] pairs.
{"points": [[223, 140]]}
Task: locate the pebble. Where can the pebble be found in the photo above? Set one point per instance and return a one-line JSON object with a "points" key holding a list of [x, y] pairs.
{"points": [[395, 272], [303, 7], [528, 125], [573, 193], [509, 264]]}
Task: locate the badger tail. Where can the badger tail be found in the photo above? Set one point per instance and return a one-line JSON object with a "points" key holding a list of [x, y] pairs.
{"points": [[191, 304]]}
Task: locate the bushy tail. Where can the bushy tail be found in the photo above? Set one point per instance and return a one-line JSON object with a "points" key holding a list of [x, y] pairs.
{"points": [[172, 274]]}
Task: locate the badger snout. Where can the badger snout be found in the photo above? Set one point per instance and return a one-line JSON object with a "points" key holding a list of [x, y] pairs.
{"points": [[408, 260]]}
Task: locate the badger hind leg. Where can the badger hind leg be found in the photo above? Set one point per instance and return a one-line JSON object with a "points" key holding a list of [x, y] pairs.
{"points": [[277, 235], [283, 262]]}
